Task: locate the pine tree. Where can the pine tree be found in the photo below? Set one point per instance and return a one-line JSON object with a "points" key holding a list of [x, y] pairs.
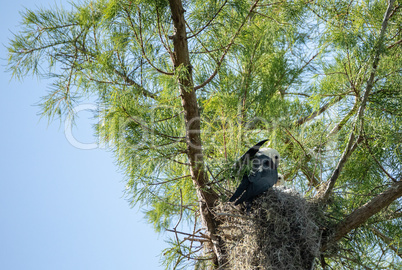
{"points": [[185, 87]]}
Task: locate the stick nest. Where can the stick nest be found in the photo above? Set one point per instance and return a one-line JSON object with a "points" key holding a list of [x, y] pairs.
{"points": [[280, 232]]}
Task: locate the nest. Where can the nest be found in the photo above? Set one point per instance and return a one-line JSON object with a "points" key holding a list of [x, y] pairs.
{"points": [[278, 233]]}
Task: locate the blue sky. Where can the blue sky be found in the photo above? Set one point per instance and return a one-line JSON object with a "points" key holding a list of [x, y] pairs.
{"points": [[61, 207]]}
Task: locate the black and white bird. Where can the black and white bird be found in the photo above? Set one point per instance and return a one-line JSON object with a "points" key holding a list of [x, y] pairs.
{"points": [[281, 180], [262, 176]]}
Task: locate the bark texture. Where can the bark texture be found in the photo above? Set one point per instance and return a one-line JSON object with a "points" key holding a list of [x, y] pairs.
{"points": [[363, 213], [183, 69]]}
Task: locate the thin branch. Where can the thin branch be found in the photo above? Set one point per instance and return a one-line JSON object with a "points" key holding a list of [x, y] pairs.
{"points": [[394, 10], [305, 119], [143, 49], [296, 94], [386, 217], [352, 83], [388, 241], [166, 45], [188, 207], [133, 83], [316, 13], [268, 17], [188, 234], [339, 126], [209, 51], [201, 43], [394, 44], [224, 140], [181, 215], [313, 181], [215, 181], [70, 76], [359, 118], [301, 146], [192, 239], [297, 73], [246, 80], [168, 118], [138, 122], [170, 180], [349, 149], [397, 71], [227, 49], [138, 36], [194, 231], [270, 4], [172, 159], [196, 258], [208, 23], [124, 76], [376, 161], [354, 261]]}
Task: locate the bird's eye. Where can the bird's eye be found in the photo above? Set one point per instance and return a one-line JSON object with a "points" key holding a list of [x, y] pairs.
{"points": [[276, 157]]}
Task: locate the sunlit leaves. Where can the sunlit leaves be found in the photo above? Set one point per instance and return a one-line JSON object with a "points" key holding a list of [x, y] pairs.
{"points": [[294, 72]]}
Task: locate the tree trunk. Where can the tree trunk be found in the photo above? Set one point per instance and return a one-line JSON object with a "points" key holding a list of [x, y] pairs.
{"points": [[206, 196]]}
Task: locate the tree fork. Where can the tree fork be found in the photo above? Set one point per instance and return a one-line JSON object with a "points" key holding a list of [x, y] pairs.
{"points": [[207, 197]]}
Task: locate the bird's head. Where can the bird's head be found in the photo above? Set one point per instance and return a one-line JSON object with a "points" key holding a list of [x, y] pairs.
{"points": [[272, 154], [281, 180]]}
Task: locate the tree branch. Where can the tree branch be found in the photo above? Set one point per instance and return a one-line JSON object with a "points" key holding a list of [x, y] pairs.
{"points": [[133, 83], [388, 241], [153, 131], [329, 185], [160, 26], [296, 94], [312, 179], [342, 122], [358, 262], [305, 119], [170, 180], [138, 36], [359, 118], [208, 23], [227, 49], [363, 213], [376, 160], [394, 44]]}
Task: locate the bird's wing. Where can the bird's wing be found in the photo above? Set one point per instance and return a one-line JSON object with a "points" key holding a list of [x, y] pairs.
{"points": [[247, 195], [263, 176], [245, 183], [246, 157]]}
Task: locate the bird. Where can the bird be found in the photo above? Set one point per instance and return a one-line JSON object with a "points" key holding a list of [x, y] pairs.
{"points": [[245, 158], [262, 176], [281, 180]]}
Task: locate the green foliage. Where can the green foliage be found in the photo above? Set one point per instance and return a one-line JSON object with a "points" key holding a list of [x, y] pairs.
{"points": [[294, 72]]}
